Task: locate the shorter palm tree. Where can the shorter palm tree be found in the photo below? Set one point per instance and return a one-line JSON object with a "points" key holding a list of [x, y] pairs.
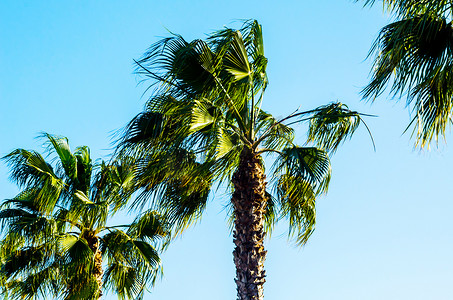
{"points": [[56, 240]]}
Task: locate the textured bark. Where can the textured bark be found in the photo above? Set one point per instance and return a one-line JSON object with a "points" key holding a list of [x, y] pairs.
{"points": [[249, 205], [93, 243]]}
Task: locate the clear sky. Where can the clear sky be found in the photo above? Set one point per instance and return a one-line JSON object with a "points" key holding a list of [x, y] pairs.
{"points": [[384, 230]]}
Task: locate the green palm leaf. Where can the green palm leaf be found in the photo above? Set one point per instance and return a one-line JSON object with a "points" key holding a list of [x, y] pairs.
{"points": [[297, 202], [67, 159], [201, 115], [416, 52], [411, 7], [236, 60], [124, 280], [306, 163], [331, 125], [147, 252]]}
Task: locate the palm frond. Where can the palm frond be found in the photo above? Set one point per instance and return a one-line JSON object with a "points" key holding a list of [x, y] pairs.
{"points": [[61, 146], [301, 174], [273, 134], [148, 226], [297, 204], [417, 51], [132, 262], [203, 114], [432, 108], [252, 32], [41, 284], [176, 63], [236, 59], [411, 7], [30, 170], [24, 259], [331, 125], [271, 214], [29, 225], [124, 280], [308, 164]]}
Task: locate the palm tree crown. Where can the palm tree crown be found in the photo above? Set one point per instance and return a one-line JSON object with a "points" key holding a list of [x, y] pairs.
{"points": [[417, 52], [56, 240], [203, 125]]}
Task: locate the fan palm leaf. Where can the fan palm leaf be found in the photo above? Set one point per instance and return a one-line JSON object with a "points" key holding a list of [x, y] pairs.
{"points": [[414, 56]]}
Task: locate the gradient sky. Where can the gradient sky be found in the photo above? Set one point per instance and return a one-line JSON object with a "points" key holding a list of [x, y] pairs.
{"points": [[384, 230]]}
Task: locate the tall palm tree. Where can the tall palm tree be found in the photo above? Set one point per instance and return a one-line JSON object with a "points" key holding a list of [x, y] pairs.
{"points": [[416, 52], [203, 125], [56, 242]]}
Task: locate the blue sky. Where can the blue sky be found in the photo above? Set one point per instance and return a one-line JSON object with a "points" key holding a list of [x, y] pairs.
{"points": [[384, 230]]}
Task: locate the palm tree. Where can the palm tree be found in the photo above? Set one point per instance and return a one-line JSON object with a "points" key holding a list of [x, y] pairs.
{"points": [[416, 51], [204, 126], [56, 242]]}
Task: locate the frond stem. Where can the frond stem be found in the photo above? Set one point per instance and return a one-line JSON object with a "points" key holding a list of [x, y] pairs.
{"points": [[160, 78], [252, 113], [240, 121], [369, 132]]}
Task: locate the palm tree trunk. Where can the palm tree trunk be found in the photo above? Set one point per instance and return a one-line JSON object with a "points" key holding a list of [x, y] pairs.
{"points": [[93, 243], [249, 203]]}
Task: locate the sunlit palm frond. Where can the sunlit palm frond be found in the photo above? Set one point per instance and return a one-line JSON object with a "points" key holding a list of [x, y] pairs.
{"points": [[61, 146], [225, 142], [89, 214], [236, 59], [331, 125], [75, 167], [252, 33], [223, 167], [202, 115], [30, 170], [28, 167]]}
